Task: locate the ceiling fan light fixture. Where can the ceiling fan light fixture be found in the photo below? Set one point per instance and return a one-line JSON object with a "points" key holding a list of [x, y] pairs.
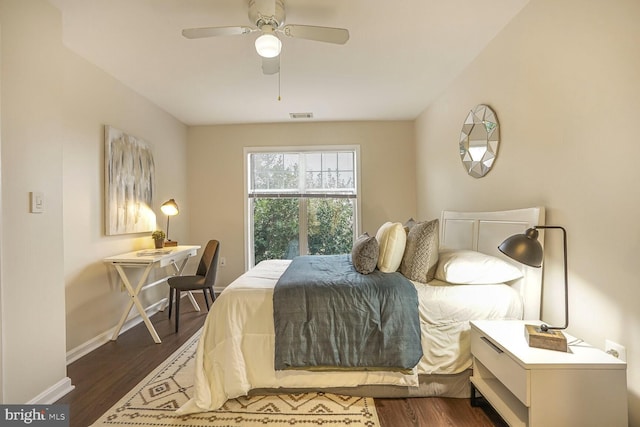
{"points": [[268, 46], [267, 18]]}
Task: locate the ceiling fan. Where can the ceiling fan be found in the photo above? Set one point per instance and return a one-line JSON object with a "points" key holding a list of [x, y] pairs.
{"points": [[268, 17]]}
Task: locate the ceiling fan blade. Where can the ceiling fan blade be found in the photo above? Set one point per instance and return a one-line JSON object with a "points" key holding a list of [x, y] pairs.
{"points": [[198, 33], [321, 34], [271, 65]]}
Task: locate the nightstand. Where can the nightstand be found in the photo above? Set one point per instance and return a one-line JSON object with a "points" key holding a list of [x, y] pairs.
{"points": [[535, 387]]}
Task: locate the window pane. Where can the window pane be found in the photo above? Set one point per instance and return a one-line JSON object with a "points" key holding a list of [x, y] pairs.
{"points": [[313, 161], [345, 180], [345, 161], [330, 180], [329, 161], [260, 180], [275, 224], [329, 171], [313, 180], [290, 161], [330, 226], [274, 171], [313, 168]]}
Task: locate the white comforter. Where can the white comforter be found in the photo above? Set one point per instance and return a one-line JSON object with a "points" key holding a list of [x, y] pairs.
{"points": [[235, 352]]}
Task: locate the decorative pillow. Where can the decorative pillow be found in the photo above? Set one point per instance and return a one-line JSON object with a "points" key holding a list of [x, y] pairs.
{"points": [[465, 267], [421, 253], [364, 254], [409, 224], [392, 239]]}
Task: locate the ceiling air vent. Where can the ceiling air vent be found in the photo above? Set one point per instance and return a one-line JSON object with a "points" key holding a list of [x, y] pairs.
{"points": [[301, 115]]}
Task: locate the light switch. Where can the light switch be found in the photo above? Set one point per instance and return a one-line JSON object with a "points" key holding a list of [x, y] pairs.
{"points": [[37, 202]]}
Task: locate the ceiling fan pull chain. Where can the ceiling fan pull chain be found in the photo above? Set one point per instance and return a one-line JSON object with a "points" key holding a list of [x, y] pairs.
{"points": [[279, 84]]}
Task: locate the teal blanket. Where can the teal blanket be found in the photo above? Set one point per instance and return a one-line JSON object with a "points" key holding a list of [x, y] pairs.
{"points": [[329, 316]]}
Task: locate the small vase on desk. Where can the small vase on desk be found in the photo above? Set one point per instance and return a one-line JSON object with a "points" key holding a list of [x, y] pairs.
{"points": [[159, 243]]}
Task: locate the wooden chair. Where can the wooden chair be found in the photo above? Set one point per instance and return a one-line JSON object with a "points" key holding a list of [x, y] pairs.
{"points": [[204, 279]]}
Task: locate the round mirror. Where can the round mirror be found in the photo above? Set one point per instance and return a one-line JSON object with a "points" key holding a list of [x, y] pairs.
{"points": [[479, 141]]}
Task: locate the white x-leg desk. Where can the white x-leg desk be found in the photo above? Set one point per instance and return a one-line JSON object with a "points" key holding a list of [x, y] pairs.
{"points": [[147, 259]]}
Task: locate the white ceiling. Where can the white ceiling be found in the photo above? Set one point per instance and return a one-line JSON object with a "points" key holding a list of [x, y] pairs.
{"points": [[400, 56]]}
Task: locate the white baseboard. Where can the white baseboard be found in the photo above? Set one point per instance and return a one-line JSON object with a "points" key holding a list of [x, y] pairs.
{"points": [[87, 347], [53, 393]]}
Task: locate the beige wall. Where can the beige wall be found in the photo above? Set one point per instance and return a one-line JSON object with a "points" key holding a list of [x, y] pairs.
{"points": [[93, 298], [56, 292], [216, 164], [564, 80], [32, 245]]}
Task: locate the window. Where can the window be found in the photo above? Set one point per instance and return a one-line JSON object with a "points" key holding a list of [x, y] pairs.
{"points": [[301, 202]]}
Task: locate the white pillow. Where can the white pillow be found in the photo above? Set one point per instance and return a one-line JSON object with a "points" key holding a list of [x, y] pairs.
{"points": [[465, 267], [391, 239]]}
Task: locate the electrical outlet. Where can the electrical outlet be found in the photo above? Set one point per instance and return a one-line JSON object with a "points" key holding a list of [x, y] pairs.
{"points": [[223, 262], [616, 350]]}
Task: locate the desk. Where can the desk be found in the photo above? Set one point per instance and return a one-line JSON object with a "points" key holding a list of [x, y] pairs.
{"points": [[147, 259]]}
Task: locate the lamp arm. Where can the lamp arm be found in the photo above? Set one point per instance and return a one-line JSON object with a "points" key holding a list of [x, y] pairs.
{"points": [[566, 278], [168, 228]]}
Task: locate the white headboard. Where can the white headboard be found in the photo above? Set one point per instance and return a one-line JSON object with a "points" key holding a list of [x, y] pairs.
{"points": [[484, 231]]}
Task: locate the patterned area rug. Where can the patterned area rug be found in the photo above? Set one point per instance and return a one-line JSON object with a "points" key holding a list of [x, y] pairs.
{"points": [[154, 400]]}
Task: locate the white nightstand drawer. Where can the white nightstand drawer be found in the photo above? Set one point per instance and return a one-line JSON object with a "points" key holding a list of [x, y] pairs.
{"points": [[505, 369], [534, 387]]}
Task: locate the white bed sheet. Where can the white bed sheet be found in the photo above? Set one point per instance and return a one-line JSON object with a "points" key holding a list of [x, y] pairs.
{"points": [[236, 350]]}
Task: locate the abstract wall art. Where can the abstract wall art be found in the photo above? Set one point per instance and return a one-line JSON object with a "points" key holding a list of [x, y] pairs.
{"points": [[129, 184]]}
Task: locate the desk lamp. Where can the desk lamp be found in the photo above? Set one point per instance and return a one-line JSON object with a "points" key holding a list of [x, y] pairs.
{"points": [[169, 208], [526, 249]]}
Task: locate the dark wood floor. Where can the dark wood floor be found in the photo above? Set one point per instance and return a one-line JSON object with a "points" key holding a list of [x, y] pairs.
{"points": [[102, 377]]}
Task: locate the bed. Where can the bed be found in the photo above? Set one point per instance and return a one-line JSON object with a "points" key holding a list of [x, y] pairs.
{"points": [[235, 354]]}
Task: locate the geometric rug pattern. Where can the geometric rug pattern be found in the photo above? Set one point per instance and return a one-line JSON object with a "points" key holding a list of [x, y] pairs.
{"points": [[154, 400]]}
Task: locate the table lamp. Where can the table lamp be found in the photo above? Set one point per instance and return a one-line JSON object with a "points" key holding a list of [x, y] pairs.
{"points": [[526, 249], [169, 208]]}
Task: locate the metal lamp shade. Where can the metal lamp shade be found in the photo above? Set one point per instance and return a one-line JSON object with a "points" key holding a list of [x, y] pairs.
{"points": [[524, 248], [170, 207]]}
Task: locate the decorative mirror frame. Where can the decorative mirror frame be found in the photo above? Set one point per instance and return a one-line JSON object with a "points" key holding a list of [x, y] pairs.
{"points": [[479, 140]]}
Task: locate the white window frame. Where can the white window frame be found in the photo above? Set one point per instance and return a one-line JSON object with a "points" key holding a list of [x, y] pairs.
{"points": [[247, 151]]}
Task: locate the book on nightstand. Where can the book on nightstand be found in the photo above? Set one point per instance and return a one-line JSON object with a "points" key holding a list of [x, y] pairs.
{"points": [[550, 340]]}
